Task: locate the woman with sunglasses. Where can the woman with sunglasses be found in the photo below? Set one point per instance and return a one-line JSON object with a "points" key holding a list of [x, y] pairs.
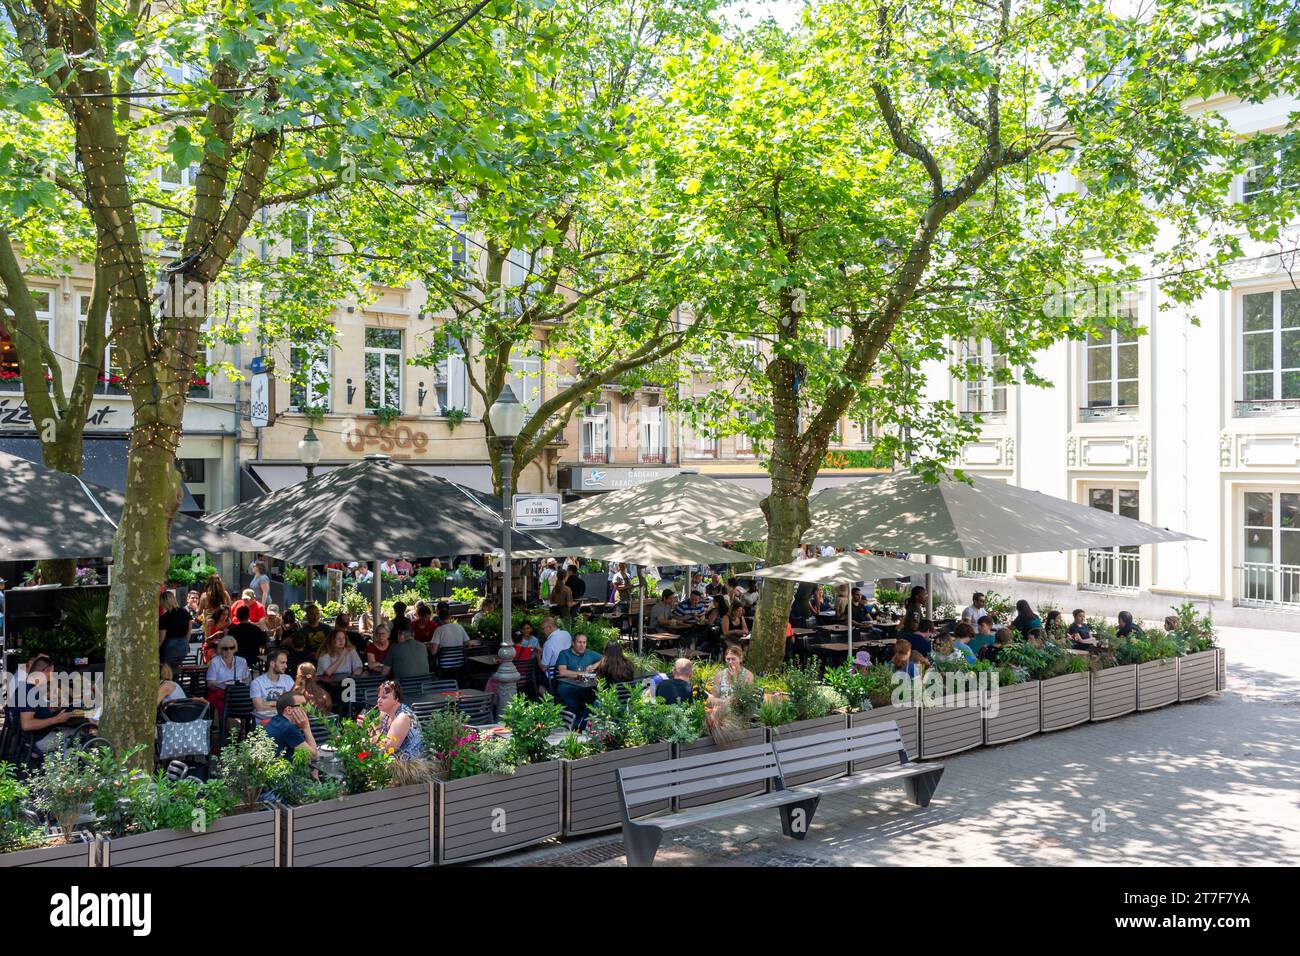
{"points": [[224, 670], [399, 728]]}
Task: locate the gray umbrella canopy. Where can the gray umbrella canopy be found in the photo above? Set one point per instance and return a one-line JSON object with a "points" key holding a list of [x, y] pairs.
{"points": [[47, 514], [848, 568], [687, 503], [368, 511], [642, 546], [959, 519]]}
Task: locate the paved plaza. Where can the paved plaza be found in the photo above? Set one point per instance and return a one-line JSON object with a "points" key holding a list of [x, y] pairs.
{"points": [[1211, 782]]}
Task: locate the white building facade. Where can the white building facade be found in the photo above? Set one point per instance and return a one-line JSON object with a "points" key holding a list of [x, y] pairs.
{"points": [[1194, 426]]}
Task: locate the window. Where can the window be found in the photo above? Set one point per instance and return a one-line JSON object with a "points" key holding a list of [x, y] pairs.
{"points": [[306, 236], [1113, 569], [984, 395], [594, 437], [1112, 370], [193, 470], [1270, 348], [451, 380], [110, 376], [1271, 549], [993, 566], [1271, 170], [653, 446], [525, 380], [383, 368], [460, 245], [311, 378], [173, 177], [706, 444], [10, 376]]}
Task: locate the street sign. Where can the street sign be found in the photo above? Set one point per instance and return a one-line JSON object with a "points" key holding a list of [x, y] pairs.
{"points": [[536, 513], [261, 405]]}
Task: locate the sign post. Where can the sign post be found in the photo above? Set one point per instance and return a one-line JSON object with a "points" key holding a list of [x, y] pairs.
{"points": [[537, 513], [261, 404]]}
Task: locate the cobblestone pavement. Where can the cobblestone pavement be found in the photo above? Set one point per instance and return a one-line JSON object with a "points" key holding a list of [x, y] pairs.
{"points": [[1210, 782]]}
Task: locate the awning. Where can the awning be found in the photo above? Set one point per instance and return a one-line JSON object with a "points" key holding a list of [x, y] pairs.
{"points": [[763, 483], [275, 475], [103, 462]]}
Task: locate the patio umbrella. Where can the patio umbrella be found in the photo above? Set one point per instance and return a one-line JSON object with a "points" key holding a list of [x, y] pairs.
{"points": [[47, 514], [847, 568], [642, 546], [687, 503]]}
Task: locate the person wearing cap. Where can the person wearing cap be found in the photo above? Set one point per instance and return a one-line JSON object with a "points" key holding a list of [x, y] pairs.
{"points": [[256, 609]]}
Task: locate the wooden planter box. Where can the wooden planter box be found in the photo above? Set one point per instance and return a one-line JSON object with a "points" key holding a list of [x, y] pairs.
{"points": [[1157, 683], [1221, 677], [909, 725], [705, 745], [1065, 701], [1114, 692], [246, 839], [75, 855], [1017, 715], [591, 788], [490, 814], [1198, 674], [949, 730], [803, 728], [391, 827]]}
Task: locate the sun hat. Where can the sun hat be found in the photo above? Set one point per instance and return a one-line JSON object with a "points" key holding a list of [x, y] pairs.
{"points": [[863, 658]]}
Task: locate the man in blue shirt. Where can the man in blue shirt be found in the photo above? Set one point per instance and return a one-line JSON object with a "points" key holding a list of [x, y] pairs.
{"points": [[290, 728], [572, 662], [691, 608]]}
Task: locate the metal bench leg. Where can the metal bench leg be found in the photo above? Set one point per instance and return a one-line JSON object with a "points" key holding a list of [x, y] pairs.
{"points": [[641, 844], [796, 818], [921, 787]]}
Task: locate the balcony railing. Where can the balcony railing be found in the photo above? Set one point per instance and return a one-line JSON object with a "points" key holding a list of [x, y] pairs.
{"points": [[1108, 413], [1263, 408], [989, 416], [1275, 586], [653, 457], [1108, 570], [990, 567], [594, 457]]}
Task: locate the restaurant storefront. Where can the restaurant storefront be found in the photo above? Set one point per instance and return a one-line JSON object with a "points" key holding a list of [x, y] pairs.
{"points": [[594, 479]]}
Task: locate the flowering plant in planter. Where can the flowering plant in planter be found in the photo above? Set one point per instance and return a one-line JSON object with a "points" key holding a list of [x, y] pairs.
{"points": [[530, 723], [64, 786], [1195, 632], [457, 750], [366, 766]]}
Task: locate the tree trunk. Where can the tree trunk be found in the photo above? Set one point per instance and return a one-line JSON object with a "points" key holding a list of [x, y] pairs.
{"points": [[140, 565]]}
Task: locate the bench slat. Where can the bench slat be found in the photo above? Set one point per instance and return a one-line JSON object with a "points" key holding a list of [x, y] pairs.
{"points": [[869, 778], [668, 772], [804, 762], [699, 785], [702, 760], [717, 811]]}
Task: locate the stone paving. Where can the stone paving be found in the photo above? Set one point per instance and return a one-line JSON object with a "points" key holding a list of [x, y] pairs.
{"points": [[1210, 782]]}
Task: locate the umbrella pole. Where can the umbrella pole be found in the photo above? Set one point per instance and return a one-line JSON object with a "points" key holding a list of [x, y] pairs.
{"points": [[376, 596], [850, 657], [929, 592], [640, 620]]}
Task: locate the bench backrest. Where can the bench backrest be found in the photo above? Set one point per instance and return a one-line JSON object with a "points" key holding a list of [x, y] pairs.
{"points": [[835, 748], [687, 776]]}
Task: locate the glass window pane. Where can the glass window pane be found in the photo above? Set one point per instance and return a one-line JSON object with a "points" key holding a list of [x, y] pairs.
{"points": [[1102, 498], [1257, 352], [1259, 547], [1259, 509], [1291, 309], [1290, 385], [1257, 386], [1128, 393], [1257, 311], [392, 382], [1291, 548], [41, 300], [1099, 364], [384, 338], [1125, 335], [1289, 512], [1128, 503], [372, 381], [1290, 349], [1099, 395], [1128, 361]]}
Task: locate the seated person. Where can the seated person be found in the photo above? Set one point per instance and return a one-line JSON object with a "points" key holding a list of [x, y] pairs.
{"points": [[226, 669], [661, 611], [290, 728], [862, 662], [690, 610], [734, 625], [572, 662], [1126, 626], [425, 624], [309, 689], [961, 636], [399, 728], [408, 657], [256, 610], [377, 652], [34, 716], [168, 689], [922, 637], [678, 688], [449, 635], [315, 631], [1026, 620], [249, 638], [904, 659], [1054, 621], [1003, 639], [266, 690], [339, 660]]}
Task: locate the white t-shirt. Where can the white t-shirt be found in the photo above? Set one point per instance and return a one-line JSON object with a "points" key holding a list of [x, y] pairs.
{"points": [[270, 690], [558, 641], [219, 673], [973, 614], [351, 663], [450, 634]]}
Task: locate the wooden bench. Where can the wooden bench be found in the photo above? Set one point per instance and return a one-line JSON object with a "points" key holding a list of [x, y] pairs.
{"points": [[654, 782], [770, 763], [836, 748]]}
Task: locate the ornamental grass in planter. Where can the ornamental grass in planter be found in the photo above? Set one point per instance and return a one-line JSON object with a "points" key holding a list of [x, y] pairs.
{"points": [[621, 732], [493, 793]]}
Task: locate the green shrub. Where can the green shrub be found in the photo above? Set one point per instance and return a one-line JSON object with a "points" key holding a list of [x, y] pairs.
{"points": [[251, 769], [777, 711], [295, 576], [530, 723], [17, 831], [806, 692], [1195, 632], [64, 786], [853, 686], [365, 765]]}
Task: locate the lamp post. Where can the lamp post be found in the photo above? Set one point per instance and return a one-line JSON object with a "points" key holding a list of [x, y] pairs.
{"points": [[507, 417], [309, 449]]}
